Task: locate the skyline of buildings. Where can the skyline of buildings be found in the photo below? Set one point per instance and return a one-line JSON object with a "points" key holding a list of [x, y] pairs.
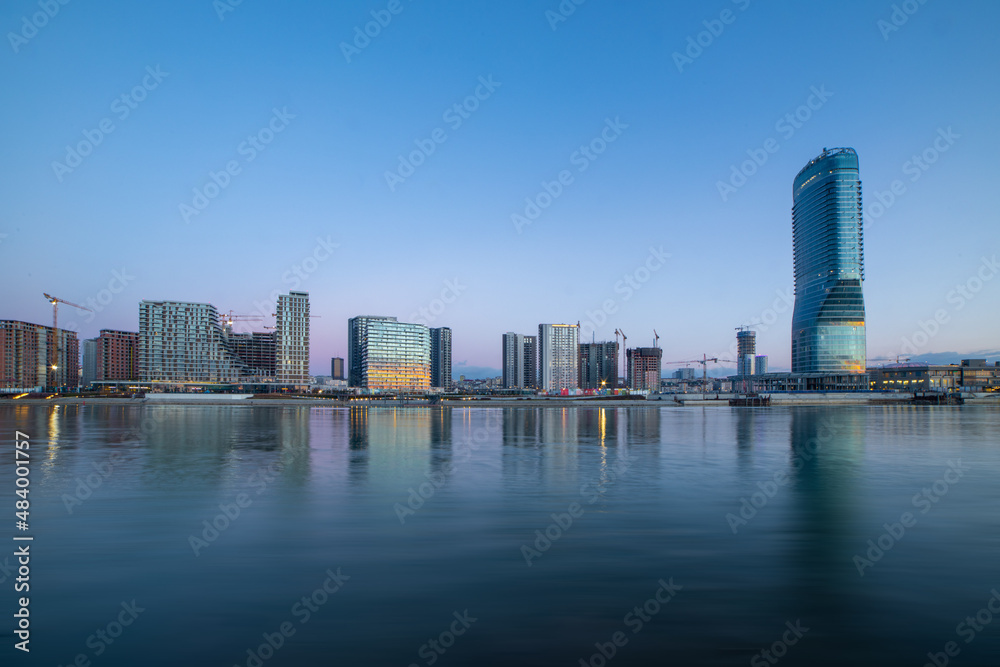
{"points": [[189, 342], [747, 231]]}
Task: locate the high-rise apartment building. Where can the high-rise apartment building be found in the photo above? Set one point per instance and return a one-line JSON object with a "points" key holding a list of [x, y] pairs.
{"points": [[117, 356], [337, 368], [291, 365], [598, 365], [520, 365], [828, 322], [644, 368], [441, 358], [558, 356], [181, 341], [88, 371], [37, 356], [385, 354]]}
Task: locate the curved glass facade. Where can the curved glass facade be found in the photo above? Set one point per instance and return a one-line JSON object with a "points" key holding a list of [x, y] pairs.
{"points": [[828, 324]]}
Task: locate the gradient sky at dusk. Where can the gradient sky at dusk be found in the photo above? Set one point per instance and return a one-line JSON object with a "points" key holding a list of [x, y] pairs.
{"points": [[890, 96]]}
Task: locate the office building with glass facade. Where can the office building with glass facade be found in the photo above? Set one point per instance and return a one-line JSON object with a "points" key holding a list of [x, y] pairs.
{"points": [[385, 354], [828, 322]]}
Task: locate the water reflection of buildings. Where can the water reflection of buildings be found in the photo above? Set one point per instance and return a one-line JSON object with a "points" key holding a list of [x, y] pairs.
{"points": [[546, 444], [440, 439], [357, 444], [539, 443], [826, 450], [175, 438], [755, 425], [643, 425], [388, 439]]}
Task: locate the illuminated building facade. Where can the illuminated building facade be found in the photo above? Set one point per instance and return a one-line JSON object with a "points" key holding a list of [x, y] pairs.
{"points": [[385, 354], [828, 323]]}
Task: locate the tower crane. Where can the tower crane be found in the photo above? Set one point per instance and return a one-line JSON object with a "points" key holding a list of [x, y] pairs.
{"points": [[55, 301], [227, 319], [704, 361]]}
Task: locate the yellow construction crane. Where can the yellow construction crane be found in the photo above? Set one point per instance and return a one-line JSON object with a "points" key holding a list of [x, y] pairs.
{"points": [[55, 301], [227, 319]]}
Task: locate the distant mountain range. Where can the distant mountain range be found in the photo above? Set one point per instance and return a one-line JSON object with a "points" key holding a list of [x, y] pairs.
{"points": [[474, 372], [955, 357]]}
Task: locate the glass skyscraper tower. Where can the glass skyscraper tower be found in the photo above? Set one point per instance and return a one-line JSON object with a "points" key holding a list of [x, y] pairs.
{"points": [[828, 324]]}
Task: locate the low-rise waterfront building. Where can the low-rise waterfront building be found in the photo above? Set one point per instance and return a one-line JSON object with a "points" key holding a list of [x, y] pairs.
{"points": [[969, 375]]}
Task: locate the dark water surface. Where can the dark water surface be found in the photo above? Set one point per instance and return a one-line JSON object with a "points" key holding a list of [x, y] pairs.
{"points": [[430, 515]]}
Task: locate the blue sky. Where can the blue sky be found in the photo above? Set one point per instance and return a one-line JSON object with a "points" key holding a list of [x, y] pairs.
{"points": [[316, 196]]}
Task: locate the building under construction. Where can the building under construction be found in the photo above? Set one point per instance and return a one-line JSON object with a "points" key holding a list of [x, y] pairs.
{"points": [[35, 357], [644, 368], [598, 367], [255, 349]]}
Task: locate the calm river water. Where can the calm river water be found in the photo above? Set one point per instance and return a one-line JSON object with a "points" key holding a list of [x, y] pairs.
{"points": [[509, 536]]}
